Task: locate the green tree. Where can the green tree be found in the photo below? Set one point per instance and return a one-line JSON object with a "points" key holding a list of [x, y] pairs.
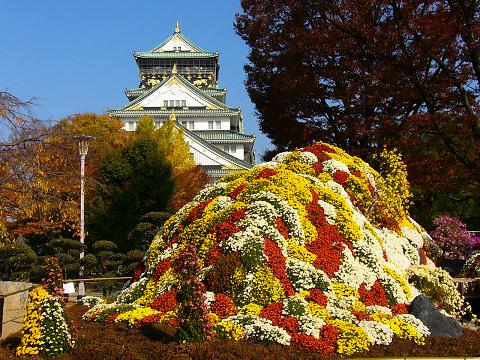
{"points": [[134, 181], [189, 177]]}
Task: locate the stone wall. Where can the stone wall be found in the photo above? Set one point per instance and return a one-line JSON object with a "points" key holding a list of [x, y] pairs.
{"points": [[14, 306]]}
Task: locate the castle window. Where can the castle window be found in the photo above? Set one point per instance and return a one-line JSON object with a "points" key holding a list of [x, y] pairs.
{"points": [[191, 125], [177, 103], [172, 103], [210, 125], [165, 103], [131, 125], [231, 149], [184, 103], [218, 125], [184, 123]]}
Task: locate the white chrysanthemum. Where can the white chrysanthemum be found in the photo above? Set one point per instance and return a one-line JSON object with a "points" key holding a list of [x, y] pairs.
{"points": [[132, 292], [378, 333], [310, 325], [337, 188], [399, 250], [261, 329], [306, 157], [279, 158], [209, 298], [369, 251], [329, 211], [286, 212], [305, 276], [372, 309], [331, 166], [416, 323], [413, 235], [352, 272]]}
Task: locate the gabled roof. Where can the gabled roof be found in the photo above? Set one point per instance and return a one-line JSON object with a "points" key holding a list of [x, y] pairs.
{"points": [[218, 152], [165, 48], [215, 104]]}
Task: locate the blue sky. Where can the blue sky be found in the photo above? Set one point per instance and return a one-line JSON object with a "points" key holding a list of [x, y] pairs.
{"points": [[76, 57]]}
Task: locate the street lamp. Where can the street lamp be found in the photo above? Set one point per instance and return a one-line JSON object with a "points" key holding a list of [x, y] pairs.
{"points": [[83, 149]]}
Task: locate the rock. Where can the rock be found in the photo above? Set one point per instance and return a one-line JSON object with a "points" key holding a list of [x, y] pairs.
{"points": [[438, 324]]}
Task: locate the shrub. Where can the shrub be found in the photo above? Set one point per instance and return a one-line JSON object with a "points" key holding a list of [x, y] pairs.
{"points": [[452, 237], [156, 218], [16, 261]]}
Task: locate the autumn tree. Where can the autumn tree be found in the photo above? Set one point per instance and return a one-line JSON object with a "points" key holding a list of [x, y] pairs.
{"points": [[189, 177], [363, 74], [41, 186]]}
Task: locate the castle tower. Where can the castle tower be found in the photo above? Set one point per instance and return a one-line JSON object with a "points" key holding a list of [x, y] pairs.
{"points": [[179, 76]]}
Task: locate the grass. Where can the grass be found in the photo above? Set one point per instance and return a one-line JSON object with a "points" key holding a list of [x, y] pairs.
{"points": [[115, 342]]}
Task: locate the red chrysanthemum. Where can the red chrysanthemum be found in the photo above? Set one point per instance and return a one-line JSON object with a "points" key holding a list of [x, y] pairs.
{"points": [[165, 302], [149, 319], [318, 296], [341, 177], [111, 318], [325, 345], [282, 228], [223, 306], [361, 316], [197, 211], [423, 256], [273, 312], [266, 173], [400, 309], [139, 269], [213, 254], [375, 296], [277, 262], [318, 168], [161, 268], [233, 195]]}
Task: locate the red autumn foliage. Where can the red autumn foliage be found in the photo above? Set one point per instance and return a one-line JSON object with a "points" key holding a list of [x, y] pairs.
{"points": [[165, 302], [375, 296], [401, 73]]}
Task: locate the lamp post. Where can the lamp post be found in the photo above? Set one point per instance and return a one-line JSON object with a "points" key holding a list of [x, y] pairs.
{"points": [[83, 150]]}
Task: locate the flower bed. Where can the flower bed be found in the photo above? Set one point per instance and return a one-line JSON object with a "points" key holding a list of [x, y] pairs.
{"points": [[305, 251]]}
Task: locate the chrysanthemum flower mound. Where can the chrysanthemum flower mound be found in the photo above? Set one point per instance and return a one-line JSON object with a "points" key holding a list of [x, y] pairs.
{"points": [[46, 328], [307, 250]]}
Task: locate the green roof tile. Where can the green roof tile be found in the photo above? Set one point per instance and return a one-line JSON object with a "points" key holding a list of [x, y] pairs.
{"points": [[222, 136], [174, 54]]}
